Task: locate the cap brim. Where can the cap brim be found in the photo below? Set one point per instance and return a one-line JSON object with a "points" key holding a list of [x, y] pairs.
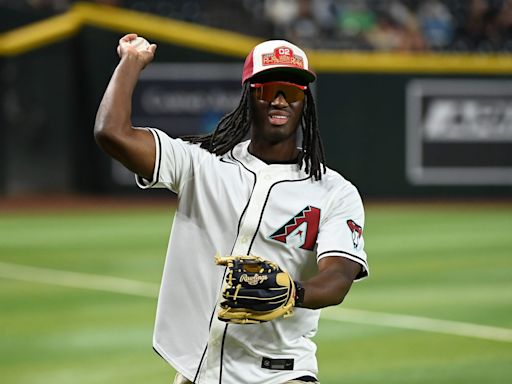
{"points": [[296, 75]]}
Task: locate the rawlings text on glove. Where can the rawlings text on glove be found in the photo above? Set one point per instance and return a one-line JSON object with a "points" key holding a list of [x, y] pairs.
{"points": [[256, 290]]}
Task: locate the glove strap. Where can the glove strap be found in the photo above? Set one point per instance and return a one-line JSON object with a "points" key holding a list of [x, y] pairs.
{"points": [[299, 294]]}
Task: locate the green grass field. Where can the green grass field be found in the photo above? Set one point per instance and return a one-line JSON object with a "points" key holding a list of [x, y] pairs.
{"points": [[431, 261]]}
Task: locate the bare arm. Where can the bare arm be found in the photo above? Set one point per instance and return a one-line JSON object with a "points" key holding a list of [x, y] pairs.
{"points": [[113, 131], [332, 282]]}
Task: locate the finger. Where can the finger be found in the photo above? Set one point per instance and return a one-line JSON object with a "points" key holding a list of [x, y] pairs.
{"points": [[152, 48], [127, 38]]}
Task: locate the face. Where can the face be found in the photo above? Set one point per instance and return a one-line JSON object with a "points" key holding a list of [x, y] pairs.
{"points": [[276, 118]]}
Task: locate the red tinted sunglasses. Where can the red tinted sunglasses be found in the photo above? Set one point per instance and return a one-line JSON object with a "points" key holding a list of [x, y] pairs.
{"points": [[269, 91]]}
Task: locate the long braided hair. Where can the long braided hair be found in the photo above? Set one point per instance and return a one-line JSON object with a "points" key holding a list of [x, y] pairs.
{"points": [[234, 127]]}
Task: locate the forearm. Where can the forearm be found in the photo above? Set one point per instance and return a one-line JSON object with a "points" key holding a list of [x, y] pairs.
{"points": [[331, 284], [113, 119], [319, 295], [113, 131]]}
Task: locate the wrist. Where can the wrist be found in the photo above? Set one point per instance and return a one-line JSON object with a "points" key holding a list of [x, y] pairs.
{"points": [[299, 294], [133, 62]]}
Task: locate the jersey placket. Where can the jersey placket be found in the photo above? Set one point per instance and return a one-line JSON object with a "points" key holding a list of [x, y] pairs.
{"points": [[265, 178]]}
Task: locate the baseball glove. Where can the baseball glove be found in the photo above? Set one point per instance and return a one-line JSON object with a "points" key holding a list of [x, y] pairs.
{"points": [[255, 291]]}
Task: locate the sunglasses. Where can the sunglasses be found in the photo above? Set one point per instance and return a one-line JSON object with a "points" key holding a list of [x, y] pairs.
{"points": [[269, 91]]}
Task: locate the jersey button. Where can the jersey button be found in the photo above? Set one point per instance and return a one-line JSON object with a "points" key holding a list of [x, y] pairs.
{"points": [[244, 239]]}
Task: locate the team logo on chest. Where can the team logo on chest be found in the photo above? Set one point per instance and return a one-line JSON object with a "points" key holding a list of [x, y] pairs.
{"points": [[301, 231]]}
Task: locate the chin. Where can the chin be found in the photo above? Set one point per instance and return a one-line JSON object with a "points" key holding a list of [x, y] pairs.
{"points": [[277, 134]]}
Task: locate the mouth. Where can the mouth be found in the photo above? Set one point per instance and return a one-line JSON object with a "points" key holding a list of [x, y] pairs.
{"points": [[277, 119]]}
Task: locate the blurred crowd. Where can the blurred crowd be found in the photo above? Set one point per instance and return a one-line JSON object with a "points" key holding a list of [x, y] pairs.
{"points": [[404, 25], [393, 25]]}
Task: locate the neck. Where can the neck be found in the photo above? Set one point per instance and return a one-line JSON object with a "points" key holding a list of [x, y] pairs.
{"points": [[282, 152]]}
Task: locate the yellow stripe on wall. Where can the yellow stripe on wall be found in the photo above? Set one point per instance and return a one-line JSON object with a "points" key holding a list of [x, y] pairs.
{"points": [[39, 34], [51, 30], [167, 30], [378, 62]]}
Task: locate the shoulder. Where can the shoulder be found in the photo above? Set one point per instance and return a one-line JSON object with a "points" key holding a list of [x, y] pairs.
{"points": [[341, 196], [339, 192], [178, 144], [334, 181]]}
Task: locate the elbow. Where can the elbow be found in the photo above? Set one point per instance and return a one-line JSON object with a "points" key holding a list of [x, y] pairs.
{"points": [[102, 131], [338, 300], [102, 135], [338, 294], [107, 137]]}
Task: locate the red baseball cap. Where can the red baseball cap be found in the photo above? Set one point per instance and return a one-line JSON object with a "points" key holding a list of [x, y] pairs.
{"points": [[277, 56]]}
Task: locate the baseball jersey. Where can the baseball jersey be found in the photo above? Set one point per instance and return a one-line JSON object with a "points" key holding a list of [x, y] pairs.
{"points": [[236, 204]]}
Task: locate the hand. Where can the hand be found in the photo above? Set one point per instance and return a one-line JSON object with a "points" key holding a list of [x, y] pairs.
{"points": [[125, 49], [255, 290]]}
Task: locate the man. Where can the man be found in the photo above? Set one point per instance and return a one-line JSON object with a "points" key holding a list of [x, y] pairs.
{"points": [[264, 196]]}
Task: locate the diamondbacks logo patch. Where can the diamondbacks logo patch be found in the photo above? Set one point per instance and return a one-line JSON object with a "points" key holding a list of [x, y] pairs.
{"points": [[301, 231], [357, 232]]}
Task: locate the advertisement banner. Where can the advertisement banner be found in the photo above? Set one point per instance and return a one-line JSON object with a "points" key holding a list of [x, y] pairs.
{"points": [[459, 132], [182, 99]]}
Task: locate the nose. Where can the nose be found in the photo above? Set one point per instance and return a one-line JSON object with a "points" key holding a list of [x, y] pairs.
{"points": [[279, 100]]}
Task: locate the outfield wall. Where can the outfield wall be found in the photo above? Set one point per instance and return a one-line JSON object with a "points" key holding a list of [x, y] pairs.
{"points": [[397, 125]]}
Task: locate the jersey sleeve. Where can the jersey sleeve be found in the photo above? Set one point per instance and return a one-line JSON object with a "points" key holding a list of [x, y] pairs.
{"points": [[341, 230], [173, 163]]}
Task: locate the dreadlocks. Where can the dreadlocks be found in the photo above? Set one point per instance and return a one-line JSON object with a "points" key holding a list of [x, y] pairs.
{"points": [[230, 131], [312, 147], [234, 126]]}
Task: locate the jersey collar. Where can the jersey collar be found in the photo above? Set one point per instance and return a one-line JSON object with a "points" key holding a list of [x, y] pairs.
{"points": [[241, 154]]}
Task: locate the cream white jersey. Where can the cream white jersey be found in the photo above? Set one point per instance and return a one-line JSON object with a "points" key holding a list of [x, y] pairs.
{"points": [[237, 204]]}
